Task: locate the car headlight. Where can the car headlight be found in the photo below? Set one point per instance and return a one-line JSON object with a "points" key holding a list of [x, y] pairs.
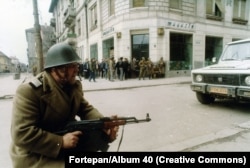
{"points": [[199, 78], [247, 80]]}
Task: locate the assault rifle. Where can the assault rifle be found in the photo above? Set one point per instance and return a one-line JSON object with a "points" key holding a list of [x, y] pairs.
{"points": [[94, 137]]}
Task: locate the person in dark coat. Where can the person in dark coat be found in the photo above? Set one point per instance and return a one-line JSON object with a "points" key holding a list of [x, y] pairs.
{"points": [[92, 69], [126, 68], [86, 66]]}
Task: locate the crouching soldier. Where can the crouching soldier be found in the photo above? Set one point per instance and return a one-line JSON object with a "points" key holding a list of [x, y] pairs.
{"points": [[43, 106]]}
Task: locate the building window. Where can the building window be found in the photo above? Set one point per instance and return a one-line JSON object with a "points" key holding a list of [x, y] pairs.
{"points": [[175, 4], [214, 9], [138, 3], [213, 49], [111, 7], [239, 12], [181, 48], [140, 46], [79, 27], [239, 9], [93, 16], [94, 51]]}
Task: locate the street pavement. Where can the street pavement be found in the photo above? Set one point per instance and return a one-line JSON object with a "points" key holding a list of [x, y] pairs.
{"points": [[230, 139]]}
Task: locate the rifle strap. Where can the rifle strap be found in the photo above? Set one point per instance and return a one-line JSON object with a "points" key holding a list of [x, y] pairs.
{"points": [[120, 139]]}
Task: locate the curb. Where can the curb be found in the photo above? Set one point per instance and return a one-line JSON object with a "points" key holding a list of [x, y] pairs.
{"points": [[119, 87], [132, 87], [197, 142]]}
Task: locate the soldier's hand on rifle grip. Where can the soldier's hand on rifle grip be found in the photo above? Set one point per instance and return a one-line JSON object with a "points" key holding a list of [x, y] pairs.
{"points": [[71, 139], [112, 133]]}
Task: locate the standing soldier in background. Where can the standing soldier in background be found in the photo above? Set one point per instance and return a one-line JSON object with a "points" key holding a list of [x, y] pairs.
{"points": [[111, 68], [161, 65], [106, 68], [134, 68], [150, 67], [143, 68]]}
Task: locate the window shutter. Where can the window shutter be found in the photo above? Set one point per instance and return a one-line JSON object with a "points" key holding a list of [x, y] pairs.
{"points": [[209, 7]]}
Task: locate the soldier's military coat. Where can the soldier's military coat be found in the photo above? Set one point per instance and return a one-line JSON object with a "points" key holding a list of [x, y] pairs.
{"points": [[41, 107]]}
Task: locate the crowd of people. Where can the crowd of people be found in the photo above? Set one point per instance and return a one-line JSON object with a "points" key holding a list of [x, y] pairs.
{"points": [[122, 69]]}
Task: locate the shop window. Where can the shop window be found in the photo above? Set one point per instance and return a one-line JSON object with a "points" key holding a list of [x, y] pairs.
{"points": [[214, 9], [94, 51], [107, 45], [93, 16], [239, 12], [175, 4], [140, 46], [180, 51], [213, 49], [111, 7]]}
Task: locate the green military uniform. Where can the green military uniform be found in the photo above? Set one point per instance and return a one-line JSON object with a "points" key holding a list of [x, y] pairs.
{"points": [[161, 65], [150, 67], [42, 107], [143, 68]]}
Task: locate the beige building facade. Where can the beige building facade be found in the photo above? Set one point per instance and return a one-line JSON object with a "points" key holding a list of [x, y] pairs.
{"points": [[187, 34]]}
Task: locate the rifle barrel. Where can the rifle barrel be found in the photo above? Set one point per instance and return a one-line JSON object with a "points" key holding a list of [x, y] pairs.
{"points": [[134, 120]]}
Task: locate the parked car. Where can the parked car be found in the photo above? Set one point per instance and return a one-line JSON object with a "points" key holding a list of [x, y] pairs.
{"points": [[229, 78]]}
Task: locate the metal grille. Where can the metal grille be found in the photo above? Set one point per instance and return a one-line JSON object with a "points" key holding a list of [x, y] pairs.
{"points": [[222, 79]]}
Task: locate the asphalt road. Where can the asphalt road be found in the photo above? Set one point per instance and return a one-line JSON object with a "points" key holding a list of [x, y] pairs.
{"points": [[179, 121]]}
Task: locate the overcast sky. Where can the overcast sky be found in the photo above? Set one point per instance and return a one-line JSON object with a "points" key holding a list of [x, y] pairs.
{"points": [[15, 17]]}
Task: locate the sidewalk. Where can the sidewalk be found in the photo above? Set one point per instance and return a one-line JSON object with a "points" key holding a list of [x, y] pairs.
{"points": [[9, 85]]}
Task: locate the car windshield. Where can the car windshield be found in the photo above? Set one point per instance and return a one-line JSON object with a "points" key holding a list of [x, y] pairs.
{"points": [[239, 51]]}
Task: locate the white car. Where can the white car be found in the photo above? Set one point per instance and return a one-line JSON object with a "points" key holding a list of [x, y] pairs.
{"points": [[229, 78]]}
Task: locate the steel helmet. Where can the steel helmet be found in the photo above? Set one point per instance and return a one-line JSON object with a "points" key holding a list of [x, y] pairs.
{"points": [[60, 54]]}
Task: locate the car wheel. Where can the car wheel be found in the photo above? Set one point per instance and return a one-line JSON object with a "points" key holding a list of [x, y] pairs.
{"points": [[204, 98]]}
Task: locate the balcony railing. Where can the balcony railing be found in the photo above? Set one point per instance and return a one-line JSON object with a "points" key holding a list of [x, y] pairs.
{"points": [[69, 16], [214, 17], [70, 38], [239, 21]]}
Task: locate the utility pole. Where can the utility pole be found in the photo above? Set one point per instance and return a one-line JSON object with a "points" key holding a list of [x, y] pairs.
{"points": [[38, 39]]}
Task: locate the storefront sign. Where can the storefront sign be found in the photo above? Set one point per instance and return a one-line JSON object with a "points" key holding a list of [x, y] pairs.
{"points": [[108, 31], [180, 25]]}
